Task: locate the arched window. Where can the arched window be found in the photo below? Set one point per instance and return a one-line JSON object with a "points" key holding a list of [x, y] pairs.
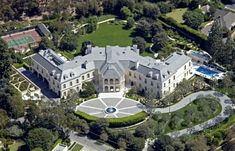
{"points": [[105, 81], [111, 89], [116, 81], [111, 81], [106, 88]]}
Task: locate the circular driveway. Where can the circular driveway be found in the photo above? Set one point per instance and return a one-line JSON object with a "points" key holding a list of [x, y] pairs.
{"points": [[110, 107]]}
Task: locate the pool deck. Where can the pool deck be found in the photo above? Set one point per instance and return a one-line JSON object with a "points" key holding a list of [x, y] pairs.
{"points": [[220, 74]]}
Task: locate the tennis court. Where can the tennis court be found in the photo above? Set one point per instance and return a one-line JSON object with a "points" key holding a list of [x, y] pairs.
{"points": [[20, 41]]}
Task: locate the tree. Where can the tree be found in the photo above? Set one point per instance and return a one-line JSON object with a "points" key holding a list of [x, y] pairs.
{"points": [[143, 131], [198, 144], [160, 40], [4, 119], [156, 28], [125, 12], [137, 144], [151, 10], [122, 143], [143, 28], [214, 42], [5, 64], [40, 137], [140, 42], [69, 42], [165, 7], [130, 22], [92, 24], [104, 136], [88, 89], [163, 142], [46, 43], [193, 18], [99, 126]]}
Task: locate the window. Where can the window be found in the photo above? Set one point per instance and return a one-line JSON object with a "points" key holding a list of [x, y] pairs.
{"points": [[184, 67], [105, 81], [174, 85], [151, 83], [134, 76], [83, 77], [169, 81], [71, 83], [77, 88], [88, 75], [93, 73], [77, 80], [64, 86], [111, 81], [140, 77], [129, 73], [164, 85], [158, 86], [169, 88], [174, 77], [53, 82], [189, 64], [145, 81], [116, 81]]}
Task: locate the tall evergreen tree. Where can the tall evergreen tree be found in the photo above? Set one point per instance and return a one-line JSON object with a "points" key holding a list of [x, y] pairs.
{"points": [[214, 42]]}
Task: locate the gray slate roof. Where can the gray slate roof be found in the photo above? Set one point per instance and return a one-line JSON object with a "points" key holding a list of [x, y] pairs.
{"points": [[112, 61]]}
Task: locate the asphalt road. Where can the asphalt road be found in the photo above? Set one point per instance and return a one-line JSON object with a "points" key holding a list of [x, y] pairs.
{"points": [[89, 144]]}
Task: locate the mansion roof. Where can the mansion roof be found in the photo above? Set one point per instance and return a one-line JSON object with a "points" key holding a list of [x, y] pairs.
{"points": [[110, 61]]}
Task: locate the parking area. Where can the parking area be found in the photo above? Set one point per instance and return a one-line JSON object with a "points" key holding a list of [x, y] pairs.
{"points": [[43, 85]]}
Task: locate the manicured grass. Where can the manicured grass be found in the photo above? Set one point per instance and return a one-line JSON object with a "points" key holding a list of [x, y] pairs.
{"points": [[116, 122], [108, 34], [77, 147], [197, 112], [177, 14], [16, 145]]}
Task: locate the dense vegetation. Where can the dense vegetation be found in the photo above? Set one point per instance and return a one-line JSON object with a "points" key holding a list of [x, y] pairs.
{"points": [[146, 20]]}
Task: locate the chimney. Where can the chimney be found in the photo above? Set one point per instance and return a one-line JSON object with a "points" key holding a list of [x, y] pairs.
{"points": [[88, 50], [135, 49]]}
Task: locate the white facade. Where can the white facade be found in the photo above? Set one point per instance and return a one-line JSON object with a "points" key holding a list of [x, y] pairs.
{"points": [[112, 69]]}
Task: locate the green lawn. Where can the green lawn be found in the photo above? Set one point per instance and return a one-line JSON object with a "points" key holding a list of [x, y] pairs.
{"points": [[177, 14], [108, 34], [195, 113], [16, 145], [77, 147]]}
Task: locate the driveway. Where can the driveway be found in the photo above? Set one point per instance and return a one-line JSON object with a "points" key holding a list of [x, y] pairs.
{"points": [[226, 111], [89, 144]]}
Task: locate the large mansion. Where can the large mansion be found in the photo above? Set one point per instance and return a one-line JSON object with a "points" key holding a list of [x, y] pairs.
{"points": [[112, 69]]}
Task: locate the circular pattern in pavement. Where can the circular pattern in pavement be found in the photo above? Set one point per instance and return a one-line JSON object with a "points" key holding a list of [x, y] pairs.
{"points": [[111, 107]]}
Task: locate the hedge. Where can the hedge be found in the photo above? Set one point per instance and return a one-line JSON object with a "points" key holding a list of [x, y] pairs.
{"points": [[195, 35], [116, 122]]}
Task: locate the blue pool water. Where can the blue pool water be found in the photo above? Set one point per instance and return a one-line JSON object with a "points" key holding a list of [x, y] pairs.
{"points": [[207, 71]]}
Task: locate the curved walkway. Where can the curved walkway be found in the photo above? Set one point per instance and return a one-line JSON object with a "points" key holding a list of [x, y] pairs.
{"points": [[224, 100]]}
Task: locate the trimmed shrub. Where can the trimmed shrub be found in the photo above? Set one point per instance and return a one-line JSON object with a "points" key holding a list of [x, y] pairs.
{"points": [[116, 122], [191, 33]]}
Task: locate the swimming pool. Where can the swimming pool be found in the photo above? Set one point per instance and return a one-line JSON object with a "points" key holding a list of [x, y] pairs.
{"points": [[207, 72]]}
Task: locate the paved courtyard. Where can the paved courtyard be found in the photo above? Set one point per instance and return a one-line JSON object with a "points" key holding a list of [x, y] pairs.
{"points": [[111, 107]]}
